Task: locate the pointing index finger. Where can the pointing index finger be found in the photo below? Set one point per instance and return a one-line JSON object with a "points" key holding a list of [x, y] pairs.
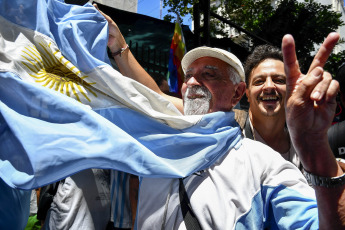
{"points": [[291, 65]]}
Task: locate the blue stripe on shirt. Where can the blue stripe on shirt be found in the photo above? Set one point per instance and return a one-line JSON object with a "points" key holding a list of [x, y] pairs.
{"points": [[284, 208]]}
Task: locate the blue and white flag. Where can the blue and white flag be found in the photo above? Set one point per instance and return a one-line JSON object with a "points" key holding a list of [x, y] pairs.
{"points": [[63, 108]]}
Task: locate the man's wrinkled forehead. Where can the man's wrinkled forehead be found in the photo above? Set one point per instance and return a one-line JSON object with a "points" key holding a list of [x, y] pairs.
{"points": [[209, 67]]}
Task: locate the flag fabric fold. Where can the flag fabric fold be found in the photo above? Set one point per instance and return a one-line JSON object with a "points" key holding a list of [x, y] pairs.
{"points": [[64, 109], [177, 51]]}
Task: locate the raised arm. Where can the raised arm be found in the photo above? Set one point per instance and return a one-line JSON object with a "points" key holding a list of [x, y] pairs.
{"points": [[310, 106], [129, 66]]}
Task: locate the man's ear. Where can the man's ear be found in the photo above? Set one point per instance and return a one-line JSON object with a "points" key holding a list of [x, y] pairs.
{"points": [[247, 94], [240, 89]]}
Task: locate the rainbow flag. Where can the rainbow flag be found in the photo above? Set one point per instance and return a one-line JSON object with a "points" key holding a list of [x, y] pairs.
{"points": [[177, 51]]}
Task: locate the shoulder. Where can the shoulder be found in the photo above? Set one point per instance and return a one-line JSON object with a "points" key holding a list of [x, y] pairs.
{"points": [[240, 117]]}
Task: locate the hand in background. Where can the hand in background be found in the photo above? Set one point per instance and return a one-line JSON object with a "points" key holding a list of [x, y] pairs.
{"points": [[116, 40]]}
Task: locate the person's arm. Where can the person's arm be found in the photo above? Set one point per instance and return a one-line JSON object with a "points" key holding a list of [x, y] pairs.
{"points": [[310, 105], [129, 66]]}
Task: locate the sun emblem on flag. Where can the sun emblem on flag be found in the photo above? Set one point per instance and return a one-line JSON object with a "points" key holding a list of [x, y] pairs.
{"points": [[51, 69]]}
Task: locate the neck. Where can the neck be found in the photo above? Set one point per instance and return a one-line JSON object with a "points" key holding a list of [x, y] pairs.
{"points": [[272, 130]]}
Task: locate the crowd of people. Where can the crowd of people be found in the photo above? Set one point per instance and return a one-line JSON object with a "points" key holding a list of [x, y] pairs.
{"points": [[282, 173]]}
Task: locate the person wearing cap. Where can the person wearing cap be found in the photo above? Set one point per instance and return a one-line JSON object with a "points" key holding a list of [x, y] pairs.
{"points": [[266, 92], [336, 132], [214, 81]]}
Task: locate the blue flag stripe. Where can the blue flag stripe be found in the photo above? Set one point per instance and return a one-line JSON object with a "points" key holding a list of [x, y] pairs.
{"points": [[40, 145]]}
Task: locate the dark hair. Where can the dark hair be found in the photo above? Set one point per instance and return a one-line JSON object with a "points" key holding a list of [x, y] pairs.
{"points": [[158, 77], [259, 54], [340, 77]]}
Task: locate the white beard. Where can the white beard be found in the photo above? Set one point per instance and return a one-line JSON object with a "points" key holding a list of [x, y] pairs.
{"points": [[197, 106]]}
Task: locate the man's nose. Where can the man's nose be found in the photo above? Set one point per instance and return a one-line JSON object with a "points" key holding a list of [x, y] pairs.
{"points": [[193, 81], [269, 84]]}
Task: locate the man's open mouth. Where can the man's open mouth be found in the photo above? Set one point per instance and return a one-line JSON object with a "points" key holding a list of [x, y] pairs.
{"points": [[195, 96], [269, 98]]}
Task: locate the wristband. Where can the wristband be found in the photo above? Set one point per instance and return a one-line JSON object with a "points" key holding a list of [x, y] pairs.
{"points": [[328, 182], [119, 52]]}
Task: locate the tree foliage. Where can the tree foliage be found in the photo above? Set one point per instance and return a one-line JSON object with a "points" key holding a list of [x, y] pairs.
{"points": [[309, 22], [334, 62], [183, 8], [246, 13]]}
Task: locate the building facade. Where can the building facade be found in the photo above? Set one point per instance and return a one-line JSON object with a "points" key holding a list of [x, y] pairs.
{"points": [[337, 6], [127, 5]]}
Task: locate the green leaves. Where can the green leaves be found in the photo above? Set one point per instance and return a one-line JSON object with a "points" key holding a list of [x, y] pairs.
{"points": [[308, 22]]}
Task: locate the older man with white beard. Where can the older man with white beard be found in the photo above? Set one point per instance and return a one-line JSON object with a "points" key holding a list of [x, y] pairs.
{"points": [[214, 81], [196, 105]]}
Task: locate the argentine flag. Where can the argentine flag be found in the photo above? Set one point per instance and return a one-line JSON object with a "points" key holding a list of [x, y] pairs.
{"points": [[63, 108]]}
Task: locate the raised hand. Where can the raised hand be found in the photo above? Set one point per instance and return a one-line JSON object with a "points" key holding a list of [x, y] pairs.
{"points": [[116, 40], [310, 102]]}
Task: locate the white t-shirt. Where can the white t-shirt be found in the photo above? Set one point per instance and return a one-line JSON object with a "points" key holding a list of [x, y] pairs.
{"points": [[82, 201], [251, 187], [291, 155]]}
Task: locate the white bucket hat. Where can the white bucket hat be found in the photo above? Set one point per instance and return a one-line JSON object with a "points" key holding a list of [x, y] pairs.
{"points": [[221, 54]]}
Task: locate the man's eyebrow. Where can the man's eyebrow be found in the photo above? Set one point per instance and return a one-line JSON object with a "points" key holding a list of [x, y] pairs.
{"points": [[189, 70], [205, 67], [211, 67], [272, 75], [279, 75]]}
